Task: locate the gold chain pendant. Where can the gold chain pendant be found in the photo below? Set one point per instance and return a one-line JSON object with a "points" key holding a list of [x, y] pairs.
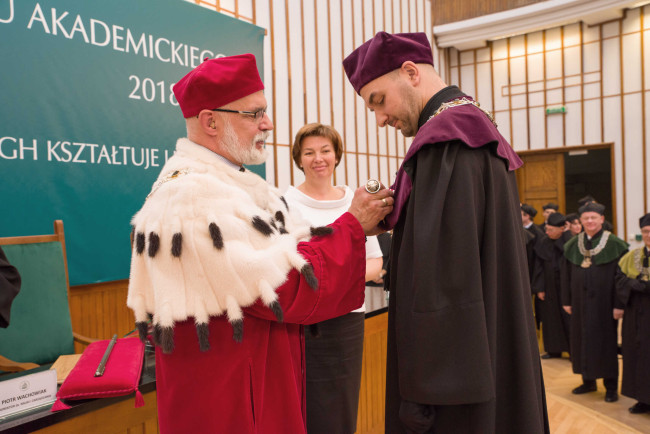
{"points": [[645, 277], [586, 262]]}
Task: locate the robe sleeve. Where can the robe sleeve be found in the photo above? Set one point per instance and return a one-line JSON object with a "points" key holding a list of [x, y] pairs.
{"points": [[339, 265], [537, 279], [565, 282], [625, 286], [9, 287]]}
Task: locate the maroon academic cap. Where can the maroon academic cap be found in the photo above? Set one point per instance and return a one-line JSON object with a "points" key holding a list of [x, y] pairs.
{"points": [[216, 82], [385, 53]]}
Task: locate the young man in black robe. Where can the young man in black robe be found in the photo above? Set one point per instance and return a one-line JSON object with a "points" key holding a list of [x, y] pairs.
{"points": [[589, 296], [535, 235], [462, 350], [549, 258], [633, 287]]}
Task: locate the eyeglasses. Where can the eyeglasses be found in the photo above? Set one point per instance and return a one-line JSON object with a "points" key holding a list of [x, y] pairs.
{"points": [[257, 115]]}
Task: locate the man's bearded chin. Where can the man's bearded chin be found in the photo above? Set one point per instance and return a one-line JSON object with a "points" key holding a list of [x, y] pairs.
{"points": [[244, 155]]}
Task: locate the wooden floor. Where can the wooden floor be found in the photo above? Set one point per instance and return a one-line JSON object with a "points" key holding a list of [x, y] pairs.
{"points": [[587, 413]]}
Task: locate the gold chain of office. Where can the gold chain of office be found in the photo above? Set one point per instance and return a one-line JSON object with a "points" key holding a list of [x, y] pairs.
{"points": [[587, 254], [167, 178], [463, 101]]}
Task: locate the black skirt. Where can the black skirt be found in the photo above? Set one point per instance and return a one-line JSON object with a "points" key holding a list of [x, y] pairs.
{"points": [[333, 371]]}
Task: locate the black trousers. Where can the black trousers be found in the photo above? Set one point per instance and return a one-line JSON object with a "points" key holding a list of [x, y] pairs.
{"points": [[611, 384], [333, 371]]}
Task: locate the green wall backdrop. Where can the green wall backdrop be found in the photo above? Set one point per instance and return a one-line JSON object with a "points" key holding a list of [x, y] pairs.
{"points": [[88, 118]]}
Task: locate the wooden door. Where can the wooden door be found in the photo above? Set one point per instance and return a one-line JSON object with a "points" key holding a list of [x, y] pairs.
{"points": [[541, 180]]}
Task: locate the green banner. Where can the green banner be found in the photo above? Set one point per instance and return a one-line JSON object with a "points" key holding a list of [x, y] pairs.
{"points": [[88, 117]]}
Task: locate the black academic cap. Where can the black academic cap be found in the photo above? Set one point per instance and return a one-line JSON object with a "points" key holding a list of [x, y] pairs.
{"points": [[551, 205], [528, 209], [556, 219], [644, 221], [588, 198], [571, 217], [592, 207]]}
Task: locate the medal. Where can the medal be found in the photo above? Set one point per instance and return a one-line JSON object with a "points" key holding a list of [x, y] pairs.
{"points": [[644, 277], [587, 254]]}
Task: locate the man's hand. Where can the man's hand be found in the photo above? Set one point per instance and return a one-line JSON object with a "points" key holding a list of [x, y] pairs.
{"points": [[567, 309], [618, 313], [541, 295], [370, 209]]}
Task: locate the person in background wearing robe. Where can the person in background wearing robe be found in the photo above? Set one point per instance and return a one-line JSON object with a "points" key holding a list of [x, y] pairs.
{"points": [[549, 258], [462, 350], [547, 210], [633, 287], [533, 237], [229, 274], [9, 287], [589, 296], [574, 227], [589, 199]]}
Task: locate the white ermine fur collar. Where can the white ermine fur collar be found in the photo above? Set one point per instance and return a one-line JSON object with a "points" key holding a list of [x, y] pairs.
{"points": [[210, 240]]}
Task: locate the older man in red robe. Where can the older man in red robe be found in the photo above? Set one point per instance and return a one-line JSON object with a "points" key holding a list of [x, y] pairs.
{"points": [[229, 274]]}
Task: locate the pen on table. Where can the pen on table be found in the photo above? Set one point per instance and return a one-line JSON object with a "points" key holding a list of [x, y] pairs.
{"points": [[102, 365]]}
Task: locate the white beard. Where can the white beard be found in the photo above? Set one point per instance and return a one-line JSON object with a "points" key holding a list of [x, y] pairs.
{"points": [[240, 153]]}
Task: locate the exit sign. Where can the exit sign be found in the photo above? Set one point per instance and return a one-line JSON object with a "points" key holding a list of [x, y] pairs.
{"points": [[554, 110]]}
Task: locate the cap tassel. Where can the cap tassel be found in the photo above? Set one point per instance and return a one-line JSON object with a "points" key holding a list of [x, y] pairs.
{"points": [[139, 399], [59, 405]]}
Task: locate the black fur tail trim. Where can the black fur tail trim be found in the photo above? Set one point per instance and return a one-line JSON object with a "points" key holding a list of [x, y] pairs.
{"points": [[132, 237], [177, 244], [277, 310], [283, 231], [156, 335], [262, 226], [143, 328], [280, 217], [215, 234], [154, 244], [308, 272], [139, 243], [321, 231], [284, 201], [167, 339], [314, 330], [237, 330], [203, 334]]}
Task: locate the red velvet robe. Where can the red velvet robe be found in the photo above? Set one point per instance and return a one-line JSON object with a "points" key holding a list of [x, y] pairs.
{"points": [[258, 386]]}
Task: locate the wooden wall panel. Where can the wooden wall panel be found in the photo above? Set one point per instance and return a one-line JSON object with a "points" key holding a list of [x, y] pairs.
{"points": [[119, 418], [450, 11], [373, 378], [99, 310]]}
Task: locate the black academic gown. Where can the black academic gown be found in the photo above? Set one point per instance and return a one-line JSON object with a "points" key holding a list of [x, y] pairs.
{"points": [[591, 293], [461, 336], [549, 256], [538, 235], [9, 287], [634, 294]]}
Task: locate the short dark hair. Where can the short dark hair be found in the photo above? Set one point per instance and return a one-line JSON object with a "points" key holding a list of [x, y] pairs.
{"points": [[317, 130]]}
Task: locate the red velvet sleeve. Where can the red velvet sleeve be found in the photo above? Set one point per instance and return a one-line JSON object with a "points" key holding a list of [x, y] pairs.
{"points": [[339, 262]]}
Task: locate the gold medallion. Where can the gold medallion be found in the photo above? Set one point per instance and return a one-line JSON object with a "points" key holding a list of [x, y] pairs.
{"points": [[586, 262], [644, 277]]}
